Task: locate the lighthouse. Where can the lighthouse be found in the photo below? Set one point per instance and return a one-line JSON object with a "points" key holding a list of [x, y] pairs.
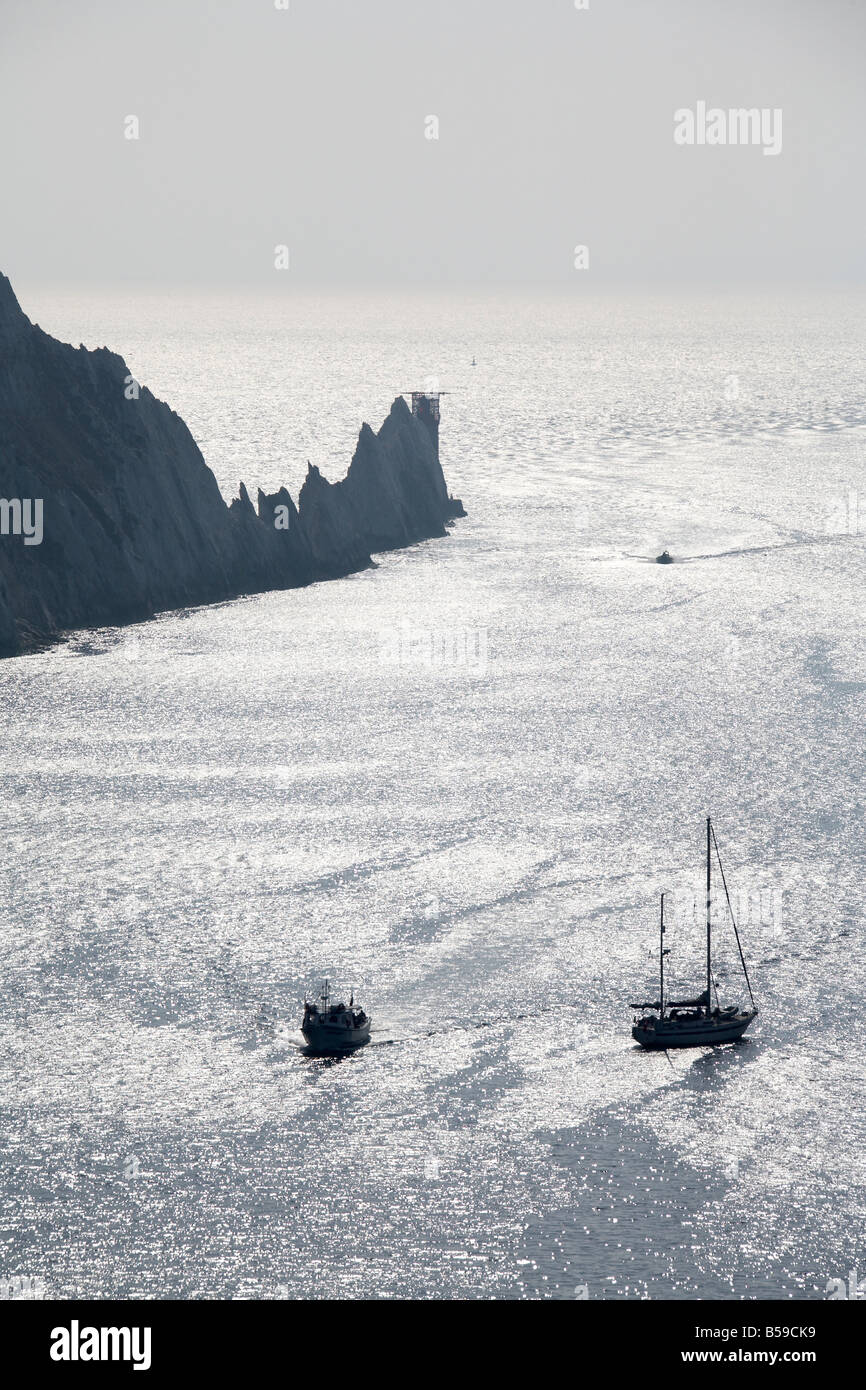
{"points": [[425, 406]]}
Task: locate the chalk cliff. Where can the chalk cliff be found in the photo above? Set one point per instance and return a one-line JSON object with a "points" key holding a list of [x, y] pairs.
{"points": [[132, 518]]}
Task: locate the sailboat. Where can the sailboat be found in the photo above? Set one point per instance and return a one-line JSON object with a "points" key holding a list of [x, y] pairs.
{"points": [[694, 1022]]}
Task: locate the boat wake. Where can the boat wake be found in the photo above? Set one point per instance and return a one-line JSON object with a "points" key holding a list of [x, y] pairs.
{"points": [[800, 543]]}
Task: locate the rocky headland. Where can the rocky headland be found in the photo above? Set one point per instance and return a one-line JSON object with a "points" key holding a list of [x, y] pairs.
{"points": [[131, 520]]}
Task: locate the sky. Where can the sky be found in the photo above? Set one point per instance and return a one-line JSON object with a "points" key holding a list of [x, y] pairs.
{"points": [[309, 128]]}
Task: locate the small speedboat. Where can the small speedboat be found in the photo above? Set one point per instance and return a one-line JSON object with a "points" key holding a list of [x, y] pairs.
{"points": [[666, 558], [330, 1028], [694, 1022]]}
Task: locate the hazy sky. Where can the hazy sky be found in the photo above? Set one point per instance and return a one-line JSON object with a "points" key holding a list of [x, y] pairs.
{"points": [[306, 128]]}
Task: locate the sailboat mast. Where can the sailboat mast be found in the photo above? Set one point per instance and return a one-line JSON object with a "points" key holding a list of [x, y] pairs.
{"points": [[662, 960], [709, 928]]}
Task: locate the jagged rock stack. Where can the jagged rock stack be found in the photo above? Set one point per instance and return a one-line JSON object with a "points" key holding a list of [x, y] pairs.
{"points": [[133, 519]]}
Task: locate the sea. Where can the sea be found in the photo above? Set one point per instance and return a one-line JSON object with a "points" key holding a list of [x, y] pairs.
{"points": [[455, 785]]}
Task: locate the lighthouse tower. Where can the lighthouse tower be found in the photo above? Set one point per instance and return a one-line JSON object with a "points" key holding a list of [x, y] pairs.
{"points": [[425, 405]]}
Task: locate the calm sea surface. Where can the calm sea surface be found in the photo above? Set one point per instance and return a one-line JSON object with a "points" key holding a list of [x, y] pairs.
{"points": [[457, 783]]}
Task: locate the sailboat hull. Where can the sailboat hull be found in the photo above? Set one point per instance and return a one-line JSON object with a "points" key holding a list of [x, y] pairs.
{"points": [[660, 1034]]}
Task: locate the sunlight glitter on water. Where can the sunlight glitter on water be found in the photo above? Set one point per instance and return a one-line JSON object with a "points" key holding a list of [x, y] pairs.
{"points": [[207, 814]]}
